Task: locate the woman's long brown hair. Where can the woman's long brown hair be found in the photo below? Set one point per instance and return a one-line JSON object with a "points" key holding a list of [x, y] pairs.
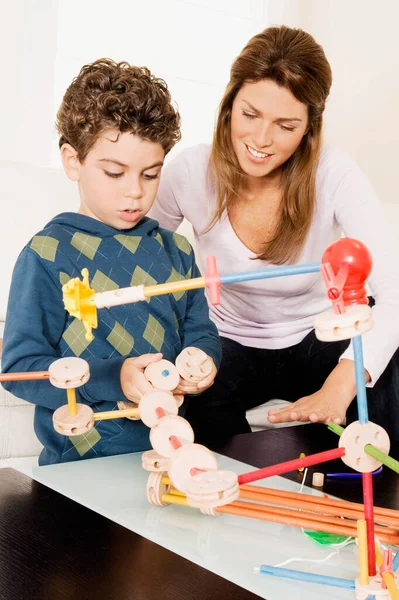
{"points": [[292, 59]]}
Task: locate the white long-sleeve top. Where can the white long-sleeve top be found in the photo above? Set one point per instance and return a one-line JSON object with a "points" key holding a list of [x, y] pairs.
{"points": [[277, 313]]}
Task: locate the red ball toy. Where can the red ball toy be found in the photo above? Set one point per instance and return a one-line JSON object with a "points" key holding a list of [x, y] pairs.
{"points": [[350, 253]]}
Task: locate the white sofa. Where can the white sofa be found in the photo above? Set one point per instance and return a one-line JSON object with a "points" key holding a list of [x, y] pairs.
{"points": [[53, 194]]}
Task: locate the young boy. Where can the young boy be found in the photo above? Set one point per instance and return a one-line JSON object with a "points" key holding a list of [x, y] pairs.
{"points": [[116, 124]]}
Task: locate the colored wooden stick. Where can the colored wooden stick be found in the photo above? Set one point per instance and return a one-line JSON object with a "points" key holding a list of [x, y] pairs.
{"points": [[369, 516], [384, 516], [291, 465], [303, 504], [175, 499], [116, 414], [71, 395], [339, 504], [361, 395], [296, 521], [28, 376], [270, 273], [362, 552], [387, 460], [304, 576], [386, 532], [173, 286]]}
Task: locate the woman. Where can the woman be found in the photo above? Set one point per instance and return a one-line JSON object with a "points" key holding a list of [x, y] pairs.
{"points": [[267, 193]]}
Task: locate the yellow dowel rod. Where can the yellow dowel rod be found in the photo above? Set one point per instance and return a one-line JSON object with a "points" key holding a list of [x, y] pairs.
{"points": [[173, 286], [362, 552], [116, 414], [175, 492], [72, 408], [388, 577], [172, 499], [166, 481]]}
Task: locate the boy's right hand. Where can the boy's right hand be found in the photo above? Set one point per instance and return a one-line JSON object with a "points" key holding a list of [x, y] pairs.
{"points": [[134, 384]]}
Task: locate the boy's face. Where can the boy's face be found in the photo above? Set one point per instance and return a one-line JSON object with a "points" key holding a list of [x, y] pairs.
{"points": [[118, 180]]}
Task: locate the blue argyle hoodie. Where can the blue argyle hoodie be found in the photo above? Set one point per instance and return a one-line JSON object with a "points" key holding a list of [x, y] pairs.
{"points": [[38, 330]]}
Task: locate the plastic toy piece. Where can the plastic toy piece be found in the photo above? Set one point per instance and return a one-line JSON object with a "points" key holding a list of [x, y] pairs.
{"points": [[149, 404], [318, 480], [212, 489], [79, 302], [151, 461], [212, 280], [119, 296], [187, 461], [354, 439], [163, 375], [386, 566], [67, 424], [388, 577], [350, 254], [332, 327], [335, 285], [123, 406], [166, 427], [193, 364]]}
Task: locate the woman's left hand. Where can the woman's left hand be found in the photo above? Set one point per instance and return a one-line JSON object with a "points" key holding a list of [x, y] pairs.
{"points": [[321, 407], [330, 403]]}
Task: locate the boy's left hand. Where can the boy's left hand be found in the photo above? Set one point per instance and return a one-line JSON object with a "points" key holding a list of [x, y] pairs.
{"points": [[191, 387]]}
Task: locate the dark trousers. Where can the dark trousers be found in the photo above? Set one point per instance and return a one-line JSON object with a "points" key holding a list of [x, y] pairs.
{"points": [[249, 377]]}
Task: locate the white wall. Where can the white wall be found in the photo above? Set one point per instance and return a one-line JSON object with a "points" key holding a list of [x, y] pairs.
{"points": [[191, 44], [360, 38]]}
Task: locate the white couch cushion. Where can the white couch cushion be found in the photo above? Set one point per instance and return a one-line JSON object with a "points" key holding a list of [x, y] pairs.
{"points": [[17, 437]]}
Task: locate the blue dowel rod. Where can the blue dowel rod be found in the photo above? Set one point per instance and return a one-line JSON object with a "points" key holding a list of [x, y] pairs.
{"points": [[395, 562], [360, 385], [270, 273], [311, 577]]}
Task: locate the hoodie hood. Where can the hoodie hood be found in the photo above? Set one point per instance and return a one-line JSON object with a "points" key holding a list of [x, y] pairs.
{"points": [[94, 227]]}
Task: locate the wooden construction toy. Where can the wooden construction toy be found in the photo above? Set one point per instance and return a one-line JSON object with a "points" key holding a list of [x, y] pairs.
{"points": [[185, 473]]}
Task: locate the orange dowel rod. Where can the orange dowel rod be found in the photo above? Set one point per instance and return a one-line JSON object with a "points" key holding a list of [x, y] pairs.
{"points": [[393, 534], [291, 465], [369, 516], [295, 521], [24, 376], [388, 512], [302, 503]]}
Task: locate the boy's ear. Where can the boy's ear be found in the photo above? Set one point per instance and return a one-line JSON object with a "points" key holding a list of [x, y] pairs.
{"points": [[70, 161]]}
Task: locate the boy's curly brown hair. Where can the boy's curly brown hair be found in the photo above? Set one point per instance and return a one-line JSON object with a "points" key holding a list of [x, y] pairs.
{"points": [[109, 95]]}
